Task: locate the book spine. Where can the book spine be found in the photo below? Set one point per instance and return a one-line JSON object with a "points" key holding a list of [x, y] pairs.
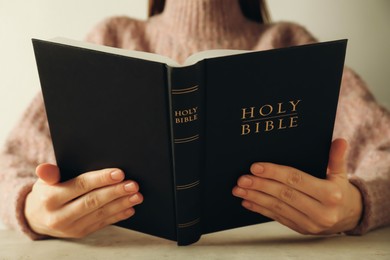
{"points": [[186, 96]]}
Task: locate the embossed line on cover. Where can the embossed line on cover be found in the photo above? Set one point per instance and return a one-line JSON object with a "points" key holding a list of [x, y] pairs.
{"points": [[185, 90], [187, 139], [189, 224], [187, 186], [271, 117]]}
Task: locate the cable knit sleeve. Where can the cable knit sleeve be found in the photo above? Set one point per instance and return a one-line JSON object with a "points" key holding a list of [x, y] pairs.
{"points": [[366, 126], [28, 145]]}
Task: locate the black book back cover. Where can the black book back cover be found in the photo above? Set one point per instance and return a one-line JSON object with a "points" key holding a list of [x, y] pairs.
{"points": [[82, 91], [274, 106]]}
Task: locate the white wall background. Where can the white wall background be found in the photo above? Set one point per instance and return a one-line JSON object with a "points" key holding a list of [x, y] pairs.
{"points": [[365, 23]]}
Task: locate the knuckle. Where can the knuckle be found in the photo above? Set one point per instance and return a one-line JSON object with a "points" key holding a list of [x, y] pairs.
{"points": [[47, 201], [335, 196], [100, 213], [328, 220], [104, 176], [54, 223], [295, 178], [91, 201], [82, 183], [288, 194], [119, 190], [278, 206]]}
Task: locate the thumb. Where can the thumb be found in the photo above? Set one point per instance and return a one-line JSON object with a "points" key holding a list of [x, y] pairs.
{"points": [[48, 173], [337, 157]]}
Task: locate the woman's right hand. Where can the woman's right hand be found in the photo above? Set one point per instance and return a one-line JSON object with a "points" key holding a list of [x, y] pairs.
{"points": [[80, 206]]}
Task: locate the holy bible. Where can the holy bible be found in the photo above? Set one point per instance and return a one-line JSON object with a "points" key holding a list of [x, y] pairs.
{"points": [[187, 132]]}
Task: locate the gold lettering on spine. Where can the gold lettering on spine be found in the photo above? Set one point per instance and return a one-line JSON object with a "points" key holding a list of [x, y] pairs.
{"points": [[186, 115]]}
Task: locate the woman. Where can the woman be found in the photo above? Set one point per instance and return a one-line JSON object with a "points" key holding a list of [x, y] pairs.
{"points": [[347, 201]]}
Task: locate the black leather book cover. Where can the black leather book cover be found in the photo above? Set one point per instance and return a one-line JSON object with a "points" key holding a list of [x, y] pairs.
{"points": [[107, 110], [274, 106]]}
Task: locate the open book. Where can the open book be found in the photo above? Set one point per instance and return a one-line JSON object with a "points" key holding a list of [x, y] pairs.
{"points": [[186, 133]]}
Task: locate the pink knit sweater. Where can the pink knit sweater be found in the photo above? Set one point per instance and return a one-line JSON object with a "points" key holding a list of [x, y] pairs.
{"points": [[186, 27]]}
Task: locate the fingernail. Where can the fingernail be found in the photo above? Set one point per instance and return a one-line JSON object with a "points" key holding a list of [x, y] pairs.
{"points": [[257, 168], [245, 181], [129, 212], [135, 198], [130, 187], [117, 175], [239, 192], [246, 204]]}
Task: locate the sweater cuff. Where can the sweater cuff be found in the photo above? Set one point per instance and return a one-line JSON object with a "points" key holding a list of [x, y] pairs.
{"points": [[19, 221], [366, 218]]}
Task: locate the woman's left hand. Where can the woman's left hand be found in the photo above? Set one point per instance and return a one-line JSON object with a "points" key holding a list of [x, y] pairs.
{"points": [[300, 201]]}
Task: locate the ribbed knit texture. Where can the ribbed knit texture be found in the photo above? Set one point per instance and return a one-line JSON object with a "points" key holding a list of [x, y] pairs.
{"points": [[186, 27]]}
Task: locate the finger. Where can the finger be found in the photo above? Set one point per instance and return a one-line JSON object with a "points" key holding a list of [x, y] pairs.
{"points": [[87, 182], [108, 221], [293, 178], [96, 199], [48, 173], [273, 208], [269, 214], [108, 211], [294, 198], [59, 224], [80, 231], [337, 157]]}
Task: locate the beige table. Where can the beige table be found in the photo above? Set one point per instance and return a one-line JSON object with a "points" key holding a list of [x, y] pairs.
{"points": [[265, 241]]}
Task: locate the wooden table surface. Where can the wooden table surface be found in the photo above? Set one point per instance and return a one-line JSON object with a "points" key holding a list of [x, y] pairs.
{"points": [[265, 241]]}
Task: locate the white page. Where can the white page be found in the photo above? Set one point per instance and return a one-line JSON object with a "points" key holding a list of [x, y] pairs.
{"points": [[146, 55]]}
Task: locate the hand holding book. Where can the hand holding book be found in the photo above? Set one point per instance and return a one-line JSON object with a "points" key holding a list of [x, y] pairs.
{"points": [[296, 199], [80, 206], [300, 201]]}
